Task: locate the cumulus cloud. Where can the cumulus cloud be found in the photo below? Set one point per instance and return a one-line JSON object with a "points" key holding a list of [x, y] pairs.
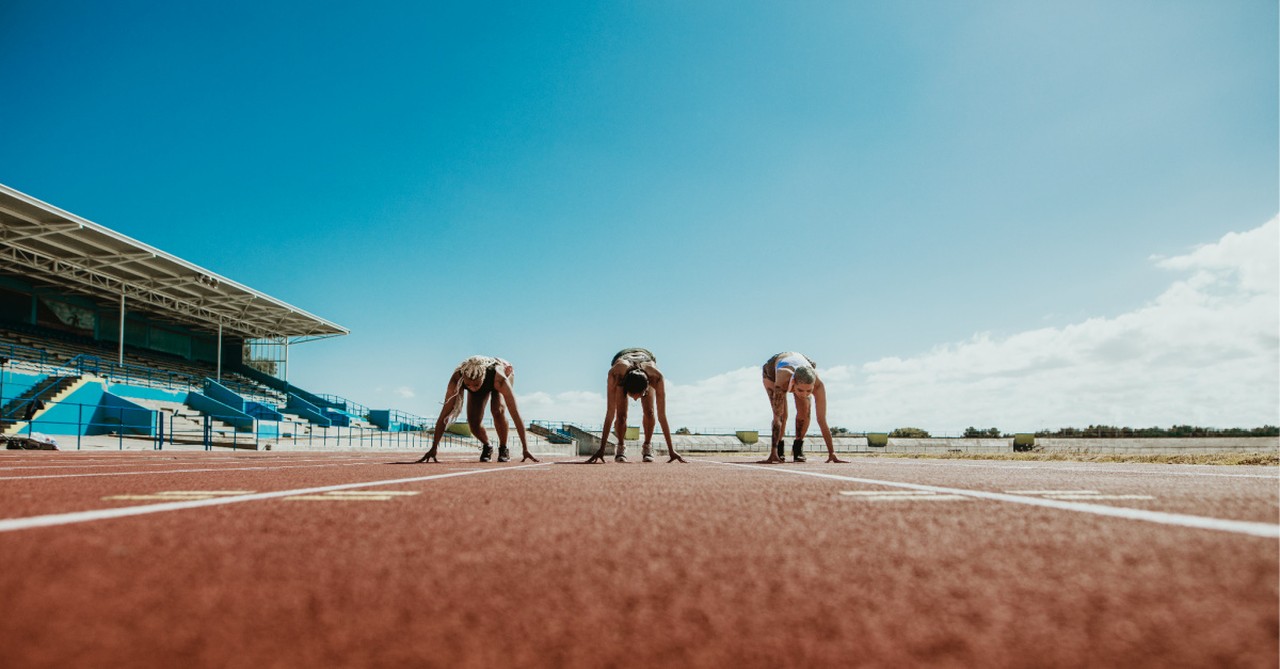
{"points": [[1205, 351], [405, 392], [582, 407]]}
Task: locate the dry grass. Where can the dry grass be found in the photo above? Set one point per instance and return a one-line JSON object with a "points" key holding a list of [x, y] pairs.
{"points": [[1270, 459], [1267, 459]]}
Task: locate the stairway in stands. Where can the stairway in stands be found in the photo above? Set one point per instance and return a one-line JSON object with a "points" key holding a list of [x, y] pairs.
{"points": [[17, 413]]}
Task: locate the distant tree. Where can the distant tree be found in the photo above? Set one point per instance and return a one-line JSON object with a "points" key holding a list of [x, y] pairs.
{"points": [[683, 430], [910, 433], [1181, 431], [975, 433], [264, 366], [839, 430]]}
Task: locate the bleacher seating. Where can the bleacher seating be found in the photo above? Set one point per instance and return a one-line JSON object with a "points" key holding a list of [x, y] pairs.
{"points": [[141, 367]]}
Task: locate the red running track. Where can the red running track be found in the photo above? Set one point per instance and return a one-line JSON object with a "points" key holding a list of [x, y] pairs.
{"points": [[965, 563]]}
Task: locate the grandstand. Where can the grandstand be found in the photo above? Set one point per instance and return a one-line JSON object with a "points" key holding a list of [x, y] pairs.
{"points": [[101, 334]]}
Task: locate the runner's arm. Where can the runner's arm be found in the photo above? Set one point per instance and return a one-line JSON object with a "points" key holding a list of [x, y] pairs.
{"points": [[820, 407]]}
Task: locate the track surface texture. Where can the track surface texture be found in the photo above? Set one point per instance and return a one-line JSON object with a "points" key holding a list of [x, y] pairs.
{"points": [[353, 560]]}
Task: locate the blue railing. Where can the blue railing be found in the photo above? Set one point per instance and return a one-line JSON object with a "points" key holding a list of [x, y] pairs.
{"points": [[347, 405], [136, 374], [100, 425], [18, 352]]}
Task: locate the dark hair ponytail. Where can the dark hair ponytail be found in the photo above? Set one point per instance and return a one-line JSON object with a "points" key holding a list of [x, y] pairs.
{"points": [[635, 382]]}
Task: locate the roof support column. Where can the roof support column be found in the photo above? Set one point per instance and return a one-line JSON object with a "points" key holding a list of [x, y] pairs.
{"points": [[286, 360], [121, 342], [219, 352]]}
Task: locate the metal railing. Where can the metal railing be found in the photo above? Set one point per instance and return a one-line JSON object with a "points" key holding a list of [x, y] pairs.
{"points": [[18, 352], [350, 407], [135, 374], [158, 428], [406, 418]]}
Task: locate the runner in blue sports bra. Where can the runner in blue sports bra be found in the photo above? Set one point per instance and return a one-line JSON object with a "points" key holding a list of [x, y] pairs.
{"points": [[634, 374], [795, 373]]}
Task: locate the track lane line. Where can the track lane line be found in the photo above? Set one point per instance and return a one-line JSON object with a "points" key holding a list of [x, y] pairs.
{"points": [[154, 464], [1201, 522], [175, 471], [266, 465], [15, 524]]}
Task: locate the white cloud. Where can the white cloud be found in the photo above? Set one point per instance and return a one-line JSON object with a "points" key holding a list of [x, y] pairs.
{"points": [[582, 407], [1205, 351], [406, 392]]}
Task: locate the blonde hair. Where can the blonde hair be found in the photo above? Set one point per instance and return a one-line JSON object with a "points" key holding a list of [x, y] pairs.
{"points": [[806, 374], [474, 367]]}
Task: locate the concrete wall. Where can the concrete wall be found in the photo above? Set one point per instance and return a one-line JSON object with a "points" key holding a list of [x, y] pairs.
{"points": [[16, 383], [939, 446], [1160, 445]]}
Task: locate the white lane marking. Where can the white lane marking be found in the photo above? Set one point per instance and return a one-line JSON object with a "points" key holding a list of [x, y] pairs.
{"points": [[172, 471], [882, 493], [1201, 522], [1052, 492], [1076, 494], [900, 495], [342, 498], [157, 464], [1096, 470], [13, 524], [1097, 496], [378, 493], [355, 496], [179, 494]]}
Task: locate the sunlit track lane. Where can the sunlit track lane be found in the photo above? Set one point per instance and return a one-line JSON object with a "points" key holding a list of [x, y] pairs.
{"points": [[144, 461], [634, 565], [1251, 494], [50, 492]]}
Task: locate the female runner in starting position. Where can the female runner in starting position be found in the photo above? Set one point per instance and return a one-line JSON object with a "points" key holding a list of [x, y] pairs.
{"points": [[795, 373], [484, 380], [634, 374]]}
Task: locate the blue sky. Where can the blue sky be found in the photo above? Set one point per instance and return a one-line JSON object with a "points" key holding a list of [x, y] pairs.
{"points": [[716, 181]]}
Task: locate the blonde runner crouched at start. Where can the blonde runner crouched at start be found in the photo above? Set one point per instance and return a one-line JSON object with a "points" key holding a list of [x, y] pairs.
{"points": [[484, 380]]}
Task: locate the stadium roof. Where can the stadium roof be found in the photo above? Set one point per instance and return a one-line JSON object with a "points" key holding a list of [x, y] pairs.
{"points": [[58, 248]]}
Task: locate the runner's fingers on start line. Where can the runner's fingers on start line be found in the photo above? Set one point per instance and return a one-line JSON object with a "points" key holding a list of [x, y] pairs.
{"points": [[528, 456]]}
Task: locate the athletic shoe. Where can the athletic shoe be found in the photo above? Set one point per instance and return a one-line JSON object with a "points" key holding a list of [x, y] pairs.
{"points": [[486, 453], [504, 455], [782, 451], [797, 452], [648, 453]]}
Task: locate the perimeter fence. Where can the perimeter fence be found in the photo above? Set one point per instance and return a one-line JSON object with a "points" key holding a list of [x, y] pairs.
{"points": [[60, 422]]}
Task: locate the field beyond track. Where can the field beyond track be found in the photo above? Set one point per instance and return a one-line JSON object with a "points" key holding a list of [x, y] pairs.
{"points": [[354, 559]]}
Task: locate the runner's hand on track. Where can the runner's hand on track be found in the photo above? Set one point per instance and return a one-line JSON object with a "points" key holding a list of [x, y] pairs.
{"points": [[773, 460], [431, 455], [528, 456], [597, 458], [833, 458], [676, 456]]}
